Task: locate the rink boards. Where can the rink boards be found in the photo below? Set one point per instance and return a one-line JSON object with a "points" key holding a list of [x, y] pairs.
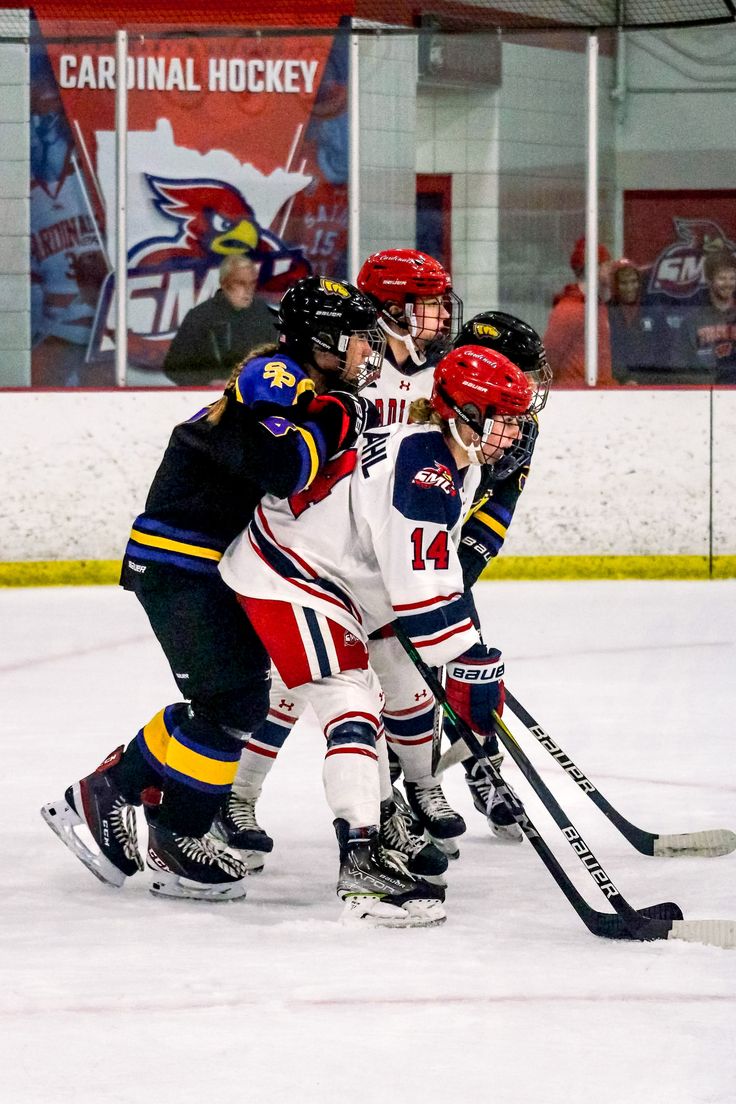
{"points": [[625, 483]]}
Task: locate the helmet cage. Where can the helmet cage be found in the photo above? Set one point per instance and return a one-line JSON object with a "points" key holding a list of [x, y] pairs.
{"points": [[515, 456]]}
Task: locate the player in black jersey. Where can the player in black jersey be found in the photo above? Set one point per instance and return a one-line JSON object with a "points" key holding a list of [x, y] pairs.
{"points": [[284, 411]]}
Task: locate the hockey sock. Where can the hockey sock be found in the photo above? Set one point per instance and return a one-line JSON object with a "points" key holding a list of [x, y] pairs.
{"points": [[350, 773]]}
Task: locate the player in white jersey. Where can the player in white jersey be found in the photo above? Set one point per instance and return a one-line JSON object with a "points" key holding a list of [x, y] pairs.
{"points": [[375, 538], [417, 310]]}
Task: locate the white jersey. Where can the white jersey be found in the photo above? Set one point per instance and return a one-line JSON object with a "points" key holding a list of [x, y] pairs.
{"points": [[374, 537], [396, 389]]}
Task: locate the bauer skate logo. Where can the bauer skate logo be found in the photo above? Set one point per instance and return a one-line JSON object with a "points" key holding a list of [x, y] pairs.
{"points": [[436, 476], [589, 861], [575, 773], [334, 287], [140, 568]]}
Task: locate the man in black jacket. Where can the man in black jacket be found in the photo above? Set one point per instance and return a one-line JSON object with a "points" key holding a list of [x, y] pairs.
{"points": [[216, 335]]}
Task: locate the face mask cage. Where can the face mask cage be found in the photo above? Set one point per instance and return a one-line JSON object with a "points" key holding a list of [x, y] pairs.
{"points": [[540, 379], [515, 455], [369, 368], [442, 315]]}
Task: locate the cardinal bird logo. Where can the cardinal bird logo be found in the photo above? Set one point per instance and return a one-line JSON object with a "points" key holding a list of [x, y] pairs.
{"points": [[214, 220], [678, 270]]}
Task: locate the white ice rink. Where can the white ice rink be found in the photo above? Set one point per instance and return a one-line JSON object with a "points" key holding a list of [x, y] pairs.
{"points": [[114, 996]]}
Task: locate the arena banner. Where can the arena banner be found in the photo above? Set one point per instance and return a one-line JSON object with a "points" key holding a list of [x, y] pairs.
{"points": [[235, 145], [668, 234]]}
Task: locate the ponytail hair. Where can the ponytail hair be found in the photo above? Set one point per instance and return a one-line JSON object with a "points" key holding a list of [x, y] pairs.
{"points": [[421, 412]]}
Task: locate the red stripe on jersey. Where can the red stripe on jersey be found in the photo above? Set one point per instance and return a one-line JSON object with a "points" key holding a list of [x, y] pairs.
{"points": [[437, 601], [351, 751], [429, 642], [410, 743]]}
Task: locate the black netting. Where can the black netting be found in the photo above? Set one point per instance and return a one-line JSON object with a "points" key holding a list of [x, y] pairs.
{"points": [[518, 15]]}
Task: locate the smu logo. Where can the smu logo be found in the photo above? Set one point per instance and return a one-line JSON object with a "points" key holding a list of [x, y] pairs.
{"points": [[168, 275], [436, 476], [678, 270]]}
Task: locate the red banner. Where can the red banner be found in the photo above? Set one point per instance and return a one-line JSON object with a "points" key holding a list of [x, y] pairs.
{"points": [[235, 145]]}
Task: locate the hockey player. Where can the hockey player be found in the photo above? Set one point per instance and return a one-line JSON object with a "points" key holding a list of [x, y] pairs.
{"points": [[417, 310], [485, 527], [409, 712], [374, 538], [271, 431]]}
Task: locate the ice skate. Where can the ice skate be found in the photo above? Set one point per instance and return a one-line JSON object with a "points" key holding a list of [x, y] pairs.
{"points": [[197, 869], [96, 805], [398, 832], [491, 804], [377, 889], [439, 820], [236, 826]]}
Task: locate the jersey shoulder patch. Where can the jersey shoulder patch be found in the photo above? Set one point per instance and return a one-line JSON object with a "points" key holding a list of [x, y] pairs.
{"points": [[271, 379], [426, 479]]}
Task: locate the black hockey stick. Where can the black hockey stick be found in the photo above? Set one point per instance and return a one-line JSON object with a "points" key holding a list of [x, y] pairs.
{"points": [[710, 842], [626, 923]]}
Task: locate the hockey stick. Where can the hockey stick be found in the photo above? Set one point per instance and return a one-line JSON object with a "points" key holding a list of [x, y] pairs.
{"points": [[656, 922], [707, 843]]}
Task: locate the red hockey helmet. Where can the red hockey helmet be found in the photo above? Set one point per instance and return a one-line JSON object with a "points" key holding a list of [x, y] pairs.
{"points": [[414, 294], [395, 275], [474, 386]]}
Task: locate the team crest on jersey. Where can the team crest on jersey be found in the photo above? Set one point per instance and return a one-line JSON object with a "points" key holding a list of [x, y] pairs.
{"points": [[279, 375], [678, 270], [484, 329], [349, 639], [437, 476], [334, 287]]}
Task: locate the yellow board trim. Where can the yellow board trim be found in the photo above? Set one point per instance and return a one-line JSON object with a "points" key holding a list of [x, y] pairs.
{"points": [[157, 737], [200, 767], [107, 572], [175, 546]]}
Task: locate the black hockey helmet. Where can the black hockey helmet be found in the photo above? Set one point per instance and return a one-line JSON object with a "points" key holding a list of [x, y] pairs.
{"points": [[321, 313], [516, 340]]}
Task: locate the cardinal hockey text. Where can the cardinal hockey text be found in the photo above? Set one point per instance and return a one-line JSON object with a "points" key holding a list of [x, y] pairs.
{"points": [[575, 773], [166, 74], [590, 862]]}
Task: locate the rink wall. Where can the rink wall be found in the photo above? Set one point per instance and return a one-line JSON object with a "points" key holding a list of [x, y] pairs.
{"points": [[626, 483]]}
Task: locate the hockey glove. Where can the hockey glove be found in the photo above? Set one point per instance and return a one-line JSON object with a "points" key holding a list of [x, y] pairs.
{"points": [[343, 416], [475, 687]]}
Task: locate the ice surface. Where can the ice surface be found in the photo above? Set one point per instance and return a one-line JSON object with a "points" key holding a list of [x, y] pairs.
{"points": [[114, 996]]}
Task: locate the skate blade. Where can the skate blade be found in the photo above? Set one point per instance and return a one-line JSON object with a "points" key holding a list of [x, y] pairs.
{"points": [[425, 913], [372, 912], [506, 833], [62, 819], [173, 887], [448, 846]]}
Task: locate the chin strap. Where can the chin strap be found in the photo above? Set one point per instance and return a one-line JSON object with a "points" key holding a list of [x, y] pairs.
{"points": [[406, 340], [473, 452]]}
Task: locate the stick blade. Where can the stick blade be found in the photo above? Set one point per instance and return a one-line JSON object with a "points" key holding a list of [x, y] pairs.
{"points": [[713, 933], [708, 844]]}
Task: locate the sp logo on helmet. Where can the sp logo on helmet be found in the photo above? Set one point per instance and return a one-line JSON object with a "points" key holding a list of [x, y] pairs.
{"points": [[484, 329], [336, 288]]}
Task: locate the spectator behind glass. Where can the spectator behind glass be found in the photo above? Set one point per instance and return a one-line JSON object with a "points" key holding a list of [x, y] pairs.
{"points": [[216, 335], [640, 338], [564, 339], [706, 340]]}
